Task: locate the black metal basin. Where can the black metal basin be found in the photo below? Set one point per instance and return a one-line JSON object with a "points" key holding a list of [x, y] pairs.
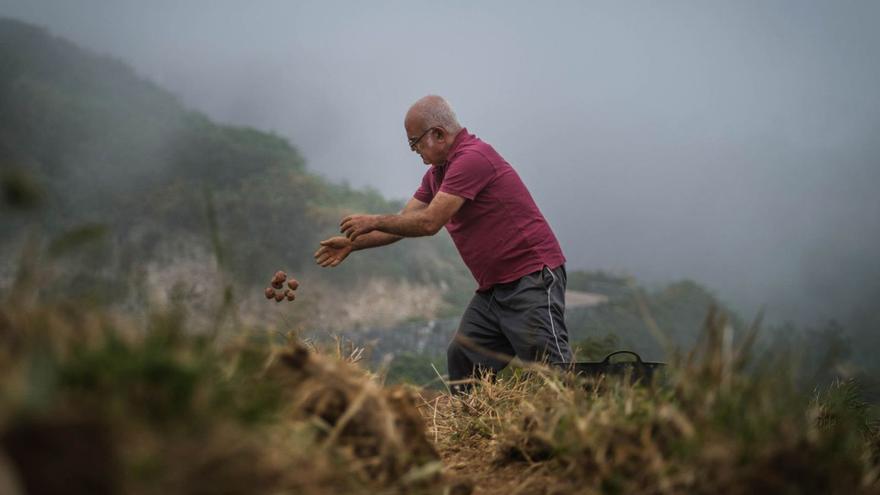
{"points": [[636, 370]]}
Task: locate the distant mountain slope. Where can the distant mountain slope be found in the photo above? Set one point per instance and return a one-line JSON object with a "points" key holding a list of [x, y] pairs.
{"points": [[109, 148]]}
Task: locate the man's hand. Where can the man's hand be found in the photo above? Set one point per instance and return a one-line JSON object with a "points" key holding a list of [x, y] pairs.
{"points": [[333, 251], [354, 226]]}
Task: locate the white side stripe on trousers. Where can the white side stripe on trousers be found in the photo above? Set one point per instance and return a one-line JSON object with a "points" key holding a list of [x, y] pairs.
{"points": [[550, 313]]}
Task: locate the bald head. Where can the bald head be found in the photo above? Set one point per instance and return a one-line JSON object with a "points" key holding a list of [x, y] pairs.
{"points": [[432, 111]]}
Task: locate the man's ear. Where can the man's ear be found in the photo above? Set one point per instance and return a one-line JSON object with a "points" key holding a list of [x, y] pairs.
{"points": [[440, 134]]}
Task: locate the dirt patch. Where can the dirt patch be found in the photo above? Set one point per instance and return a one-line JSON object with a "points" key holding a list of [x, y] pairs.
{"points": [[470, 460], [473, 463], [381, 427]]}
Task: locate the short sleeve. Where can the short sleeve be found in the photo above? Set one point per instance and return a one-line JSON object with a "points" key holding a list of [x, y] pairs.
{"points": [[423, 193], [468, 174]]}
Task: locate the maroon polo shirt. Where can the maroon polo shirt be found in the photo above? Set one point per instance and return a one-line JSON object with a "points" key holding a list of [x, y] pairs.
{"points": [[499, 231]]}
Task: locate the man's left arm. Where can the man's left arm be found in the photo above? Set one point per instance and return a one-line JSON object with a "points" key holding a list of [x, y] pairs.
{"points": [[424, 222]]}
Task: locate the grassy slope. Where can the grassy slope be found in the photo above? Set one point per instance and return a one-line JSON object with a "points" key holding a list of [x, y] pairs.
{"points": [[724, 420], [108, 407], [165, 411]]}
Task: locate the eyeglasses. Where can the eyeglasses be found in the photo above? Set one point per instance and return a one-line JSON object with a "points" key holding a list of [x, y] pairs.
{"points": [[414, 142]]}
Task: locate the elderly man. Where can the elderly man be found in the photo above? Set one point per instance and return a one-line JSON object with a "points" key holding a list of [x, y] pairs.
{"points": [[501, 235]]}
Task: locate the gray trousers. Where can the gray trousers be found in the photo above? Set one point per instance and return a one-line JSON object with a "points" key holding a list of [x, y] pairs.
{"points": [[523, 318]]}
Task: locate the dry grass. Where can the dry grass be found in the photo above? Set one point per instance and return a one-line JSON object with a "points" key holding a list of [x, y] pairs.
{"points": [[91, 405], [723, 422]]}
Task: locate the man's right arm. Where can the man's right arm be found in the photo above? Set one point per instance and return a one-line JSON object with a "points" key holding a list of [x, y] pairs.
{"points": [[334, 250], [377, 238]]}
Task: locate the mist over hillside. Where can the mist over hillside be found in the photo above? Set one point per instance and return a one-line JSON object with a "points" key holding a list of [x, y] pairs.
{"points": [[142, 200], [136, 190], [731, 143]]}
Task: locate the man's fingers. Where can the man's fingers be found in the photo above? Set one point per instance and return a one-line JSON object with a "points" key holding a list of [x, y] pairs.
{"points": [[345, 219]]}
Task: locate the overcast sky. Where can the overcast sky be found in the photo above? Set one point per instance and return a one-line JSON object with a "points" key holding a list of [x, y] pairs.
{"points": [[735, 143]]}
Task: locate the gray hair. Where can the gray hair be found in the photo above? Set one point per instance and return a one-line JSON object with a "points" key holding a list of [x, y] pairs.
{"points": [[434, 111]]}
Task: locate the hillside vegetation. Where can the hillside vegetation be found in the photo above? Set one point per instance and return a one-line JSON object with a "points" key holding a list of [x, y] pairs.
{"points": [[137, 193]]}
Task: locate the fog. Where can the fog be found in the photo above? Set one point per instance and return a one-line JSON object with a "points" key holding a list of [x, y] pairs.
{"points": [[733, 143]]}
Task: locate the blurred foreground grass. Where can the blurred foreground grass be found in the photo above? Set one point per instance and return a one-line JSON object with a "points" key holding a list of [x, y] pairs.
{"points": [[92, 403]]}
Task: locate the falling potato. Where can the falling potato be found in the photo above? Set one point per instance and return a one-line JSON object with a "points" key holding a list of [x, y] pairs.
{"points": [[293, 284], [270, 292], [279, 296], [279, 277], [290, 295]]}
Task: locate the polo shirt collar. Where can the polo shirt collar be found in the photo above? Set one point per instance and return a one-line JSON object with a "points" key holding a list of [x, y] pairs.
{"points": [[456, 143]]}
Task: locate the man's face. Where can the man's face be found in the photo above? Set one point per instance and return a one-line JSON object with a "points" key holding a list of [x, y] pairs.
{"points": [[429, 143]]}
